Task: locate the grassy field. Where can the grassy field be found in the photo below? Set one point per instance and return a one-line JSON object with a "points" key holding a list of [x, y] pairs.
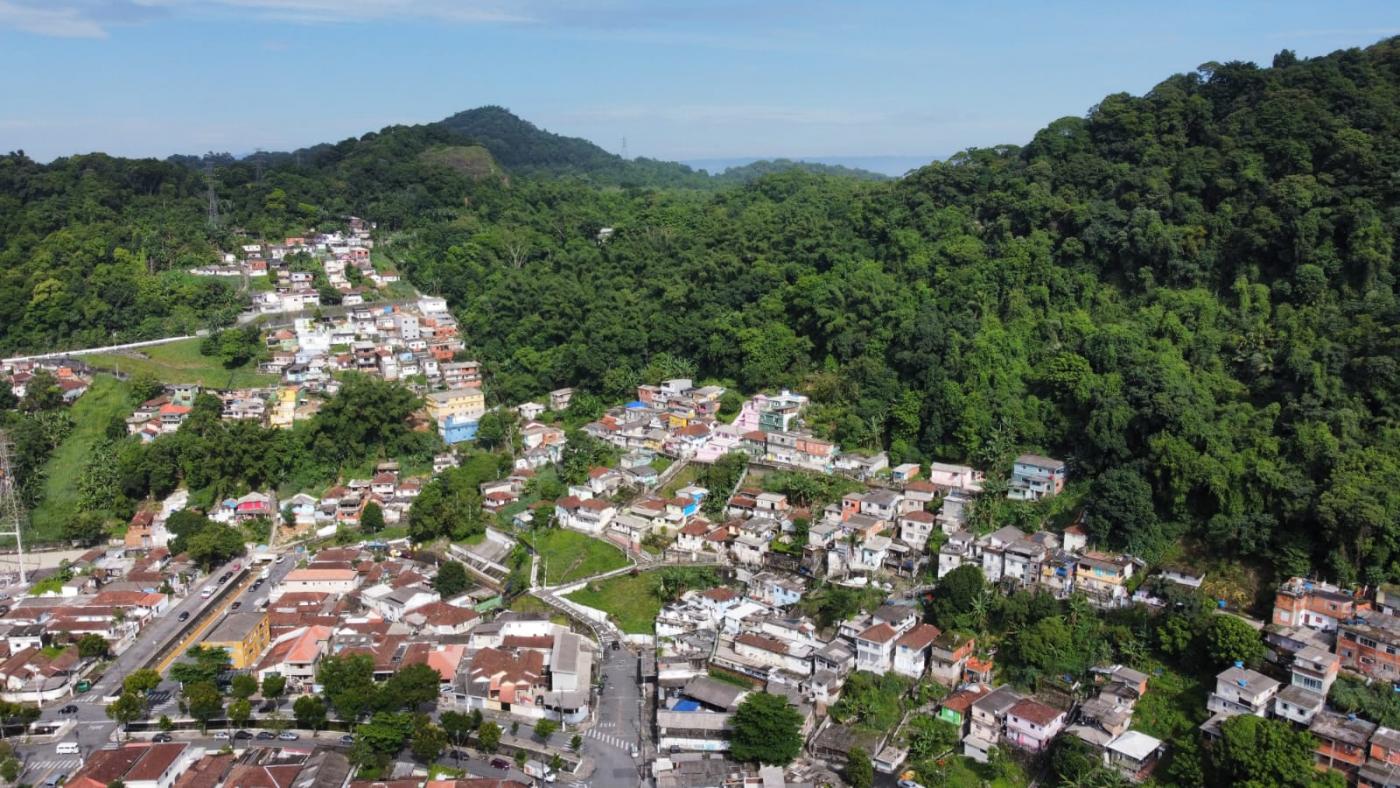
{"points": [[530, 604], [570, 555], [180, 362], [630, 601], [93, 411], [684, 478]]}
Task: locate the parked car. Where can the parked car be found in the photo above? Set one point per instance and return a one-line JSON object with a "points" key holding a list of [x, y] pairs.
{"points": [[184, 616], [279, 559], [267, 707], [243, 735], [266, 735], [287, 736], [500, 763], [221, 735], [347, 739]]}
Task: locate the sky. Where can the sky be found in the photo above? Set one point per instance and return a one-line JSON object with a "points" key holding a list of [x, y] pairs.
{"points": [[678, 79]]}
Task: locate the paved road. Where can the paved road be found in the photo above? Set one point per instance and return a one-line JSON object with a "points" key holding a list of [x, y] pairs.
{"points": [[618, 722], [94, 729], [106, 349]]}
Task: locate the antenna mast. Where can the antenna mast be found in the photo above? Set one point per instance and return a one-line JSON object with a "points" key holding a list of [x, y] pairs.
{"points": [[11, 513]]}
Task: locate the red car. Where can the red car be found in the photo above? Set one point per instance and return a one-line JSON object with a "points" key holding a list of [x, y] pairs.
{"points": [[500, 763]]}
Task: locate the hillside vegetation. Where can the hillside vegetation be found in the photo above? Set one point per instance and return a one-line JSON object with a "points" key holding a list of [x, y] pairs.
{"points": [[1190, 294]]}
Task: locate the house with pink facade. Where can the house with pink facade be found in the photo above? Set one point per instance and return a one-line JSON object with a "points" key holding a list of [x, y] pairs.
{"points": [[1032, 725]]}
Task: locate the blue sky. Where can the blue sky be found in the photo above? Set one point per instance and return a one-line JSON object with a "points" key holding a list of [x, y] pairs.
{"points": [[680, 79]]}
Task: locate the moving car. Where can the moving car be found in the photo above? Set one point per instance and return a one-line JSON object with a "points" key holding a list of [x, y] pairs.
{"points": [[347, 739], [287, 736], [184, 616], [266, 735], [235, 605], [162, 737], [243, 735], [221, 735], [500, 763], [69, 709]]}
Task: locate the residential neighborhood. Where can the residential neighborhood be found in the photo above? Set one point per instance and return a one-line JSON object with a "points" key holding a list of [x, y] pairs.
{"points": [[709, 492]]}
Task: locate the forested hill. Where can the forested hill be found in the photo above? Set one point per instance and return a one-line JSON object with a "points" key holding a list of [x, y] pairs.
{"points": [[748, 172], [1191, 294], [523, 148]]}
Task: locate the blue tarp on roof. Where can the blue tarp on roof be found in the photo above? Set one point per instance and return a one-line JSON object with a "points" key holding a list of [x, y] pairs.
{"points": [[686, 705], [636, 403]]}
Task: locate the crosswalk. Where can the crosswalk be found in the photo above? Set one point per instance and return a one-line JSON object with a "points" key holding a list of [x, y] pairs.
{"points": [[64, 765], [608, 738]]}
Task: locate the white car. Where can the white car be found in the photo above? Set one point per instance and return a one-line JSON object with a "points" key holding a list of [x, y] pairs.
{"points": [[222, 735]]}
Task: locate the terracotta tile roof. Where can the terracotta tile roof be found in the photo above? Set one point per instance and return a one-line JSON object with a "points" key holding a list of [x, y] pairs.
{"points": [[763, 642], [880, 633], [1034, 711], [720, 594], [919, 637]]}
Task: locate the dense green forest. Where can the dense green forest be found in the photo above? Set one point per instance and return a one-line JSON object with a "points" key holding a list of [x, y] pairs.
{"points": [[1190, 294]]}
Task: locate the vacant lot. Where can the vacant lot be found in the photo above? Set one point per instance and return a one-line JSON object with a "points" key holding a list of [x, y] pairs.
{"points": [[570, 555], [632, 602], [106, 398], [180, 362]]}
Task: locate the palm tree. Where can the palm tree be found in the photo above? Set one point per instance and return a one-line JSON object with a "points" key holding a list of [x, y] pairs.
{"points": [[981, 605]]}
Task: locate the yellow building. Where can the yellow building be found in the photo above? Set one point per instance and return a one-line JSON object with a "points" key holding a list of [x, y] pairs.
{"points": [[244, 635], [456, 404], [285, 409]]}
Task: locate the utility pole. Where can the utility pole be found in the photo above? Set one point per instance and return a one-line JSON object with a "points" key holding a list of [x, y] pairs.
{"points": [[624, 147], [11, 512]]}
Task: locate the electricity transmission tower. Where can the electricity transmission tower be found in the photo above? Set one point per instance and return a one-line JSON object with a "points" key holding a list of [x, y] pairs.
{"points": [[213, 198], [11, 512]]}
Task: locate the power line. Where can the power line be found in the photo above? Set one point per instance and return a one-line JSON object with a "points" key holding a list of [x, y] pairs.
{"points": [[11, 512]]}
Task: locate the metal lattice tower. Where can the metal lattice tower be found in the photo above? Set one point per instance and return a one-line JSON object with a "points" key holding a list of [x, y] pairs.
{"points": [[213, 198], [11, 512]]}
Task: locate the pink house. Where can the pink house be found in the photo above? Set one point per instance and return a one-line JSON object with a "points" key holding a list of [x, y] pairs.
{"points": [[1032, 725]]}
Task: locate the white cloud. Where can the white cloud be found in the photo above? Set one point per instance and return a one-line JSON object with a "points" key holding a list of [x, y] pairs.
{"points": [[49, 20], [94, 18]]}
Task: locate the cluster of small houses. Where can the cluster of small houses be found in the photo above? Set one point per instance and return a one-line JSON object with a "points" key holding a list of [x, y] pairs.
{"points": [[72, 376], [113, 593], [758, 636], [1316, 632], [339, 602], [416, 343], [294, 291]]}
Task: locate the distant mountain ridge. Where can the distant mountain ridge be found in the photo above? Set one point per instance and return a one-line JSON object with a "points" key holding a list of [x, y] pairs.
{"points": [[522, 147], [519, 147]]}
